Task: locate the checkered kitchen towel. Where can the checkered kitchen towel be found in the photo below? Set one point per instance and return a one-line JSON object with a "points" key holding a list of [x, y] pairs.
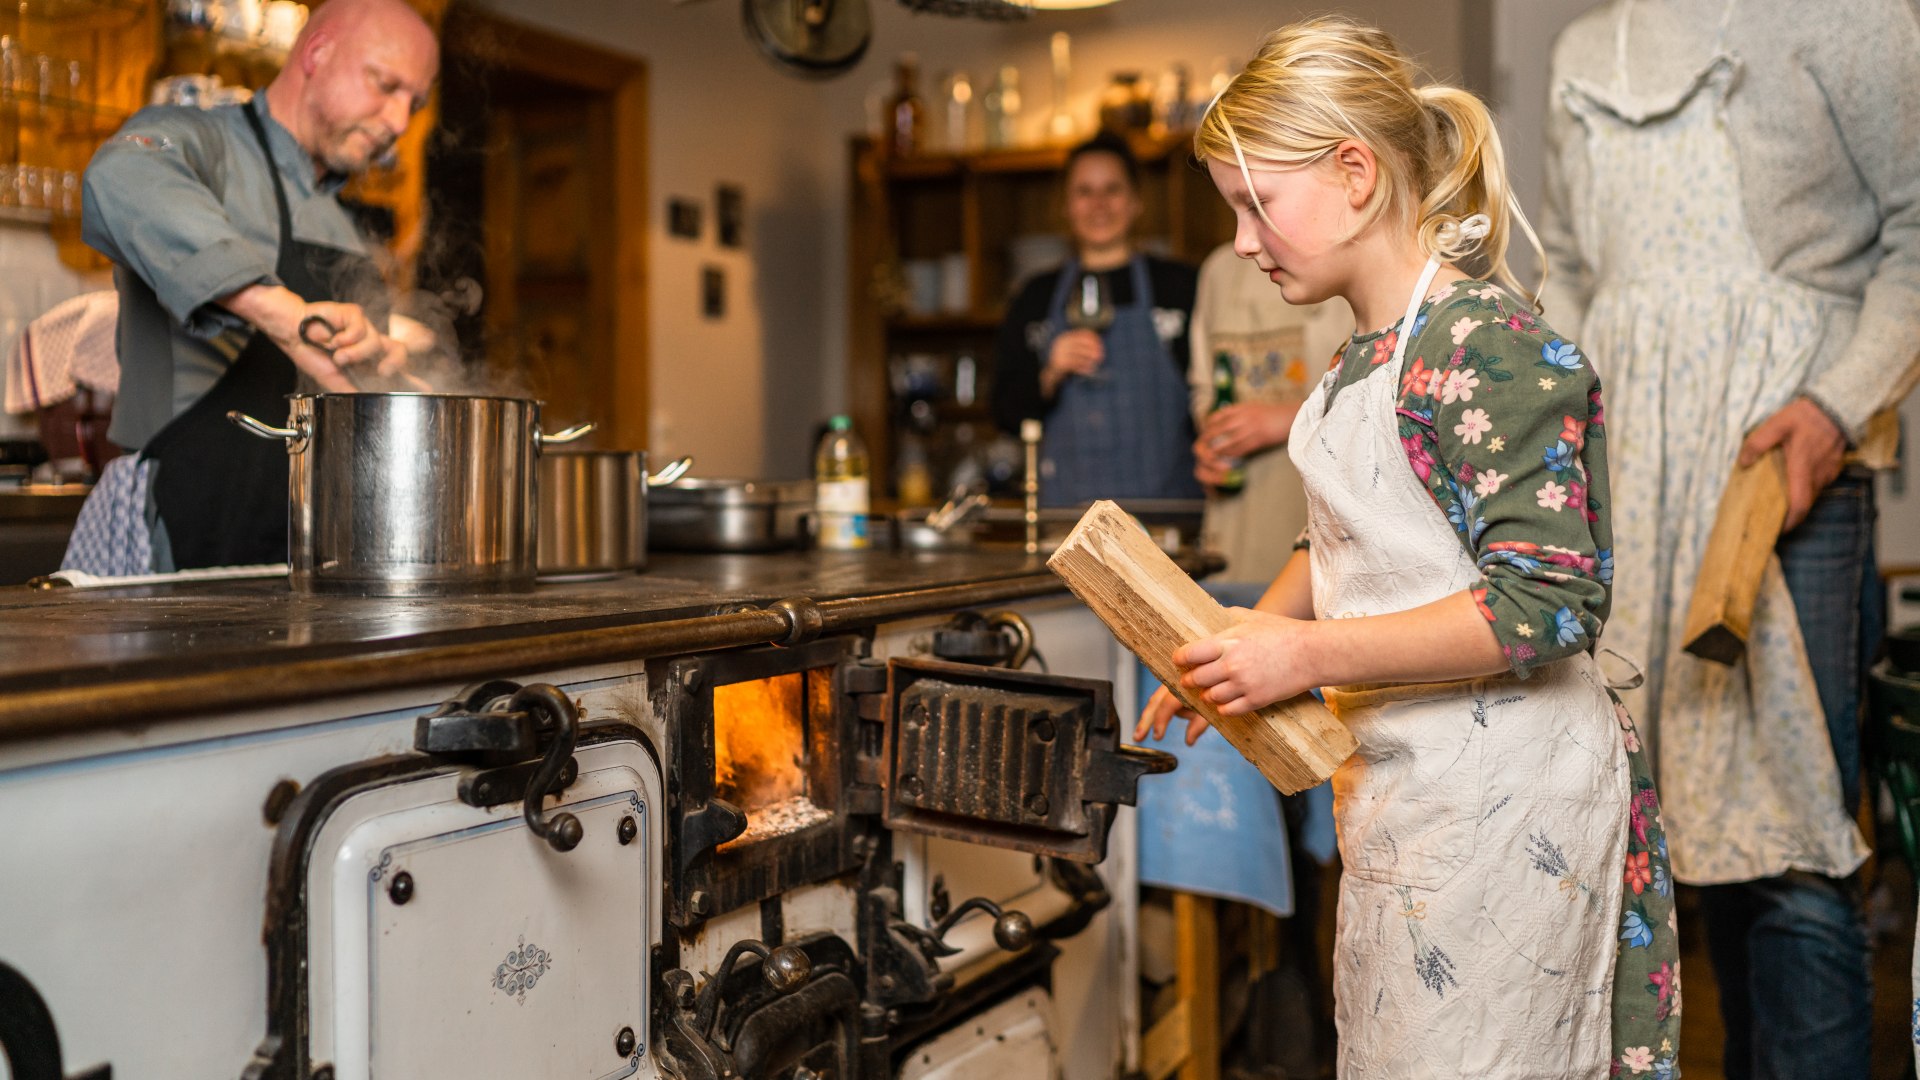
{"points": [[70, 345], [112, 537]]}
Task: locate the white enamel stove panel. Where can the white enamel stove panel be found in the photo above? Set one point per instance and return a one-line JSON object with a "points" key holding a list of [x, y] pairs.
{"points": [[508, 959]]}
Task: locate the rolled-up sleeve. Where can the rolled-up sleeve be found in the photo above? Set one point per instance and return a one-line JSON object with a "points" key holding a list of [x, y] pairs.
{"points": [[149, 204], [1499, 433]]}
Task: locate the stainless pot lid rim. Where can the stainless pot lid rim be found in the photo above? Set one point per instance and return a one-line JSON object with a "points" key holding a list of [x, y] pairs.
{"points": [[724, 490]]}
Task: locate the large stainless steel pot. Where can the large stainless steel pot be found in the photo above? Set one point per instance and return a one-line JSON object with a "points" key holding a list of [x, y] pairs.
{"points": [[411, 494], [593, 510]]}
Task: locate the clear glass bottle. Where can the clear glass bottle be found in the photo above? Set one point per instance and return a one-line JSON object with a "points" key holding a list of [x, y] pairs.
{"points": [[840, 472], [906, 115], [1003, 109], [959, 96]]}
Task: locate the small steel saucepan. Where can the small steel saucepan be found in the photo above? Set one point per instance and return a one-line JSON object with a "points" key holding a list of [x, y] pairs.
{"points": [[593, 510]]}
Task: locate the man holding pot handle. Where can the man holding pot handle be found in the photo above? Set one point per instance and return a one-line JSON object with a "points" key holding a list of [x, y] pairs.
{"points": [[239, 272]]}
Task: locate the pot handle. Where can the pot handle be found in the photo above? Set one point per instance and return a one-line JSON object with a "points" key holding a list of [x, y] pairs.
{"points": [[263, 429], [563, 436], [672, 471]]}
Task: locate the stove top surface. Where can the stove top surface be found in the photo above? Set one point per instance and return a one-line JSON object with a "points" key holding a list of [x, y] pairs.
{"points": [[66, 637]]}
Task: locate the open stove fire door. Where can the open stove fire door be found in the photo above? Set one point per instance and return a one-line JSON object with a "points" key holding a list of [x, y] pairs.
{"points": [[1011, 759]]}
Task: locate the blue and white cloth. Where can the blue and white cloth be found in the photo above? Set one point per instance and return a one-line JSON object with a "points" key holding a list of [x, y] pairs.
{"points": [[1213, 826], [113, 536]]}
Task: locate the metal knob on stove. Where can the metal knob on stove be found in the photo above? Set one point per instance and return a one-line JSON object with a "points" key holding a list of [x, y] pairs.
{"points": [[1012, 930]]}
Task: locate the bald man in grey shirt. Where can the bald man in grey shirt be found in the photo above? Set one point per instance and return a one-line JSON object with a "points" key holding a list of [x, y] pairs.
{"points": [[219, 234], [241, 280], [1733, 235]]}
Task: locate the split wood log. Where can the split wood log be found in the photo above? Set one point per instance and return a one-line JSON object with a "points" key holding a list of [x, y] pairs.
{"points": [[1745, 530], [1153, 608]]}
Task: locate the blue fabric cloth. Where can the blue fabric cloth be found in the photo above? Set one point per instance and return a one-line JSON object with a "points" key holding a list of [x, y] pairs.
{"points": [[111, 537], [1124, 432], [1213, 826], [1791, 953]]}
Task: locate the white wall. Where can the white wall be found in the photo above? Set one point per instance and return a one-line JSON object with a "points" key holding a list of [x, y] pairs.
{"points": [[1522, 51], [743, 394], [740, 392]]}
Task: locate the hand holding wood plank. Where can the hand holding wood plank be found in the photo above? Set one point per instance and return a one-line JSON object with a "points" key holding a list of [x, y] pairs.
{"points": [[1153, 608], [1745, 530]]}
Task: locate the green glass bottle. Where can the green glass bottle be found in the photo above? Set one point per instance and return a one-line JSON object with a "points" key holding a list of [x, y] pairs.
{"points": [[1236, 477]]}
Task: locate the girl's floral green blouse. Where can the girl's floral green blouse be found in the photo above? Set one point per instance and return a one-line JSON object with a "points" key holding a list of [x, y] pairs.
{"points": [[1502, 422]]}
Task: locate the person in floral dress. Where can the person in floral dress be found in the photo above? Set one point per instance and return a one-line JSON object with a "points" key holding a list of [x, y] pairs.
{"points": [[1504, 868]]}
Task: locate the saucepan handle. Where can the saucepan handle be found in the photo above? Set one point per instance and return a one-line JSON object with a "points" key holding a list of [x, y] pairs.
{"points": [[263, 429], [673, 470], [565, 435]]}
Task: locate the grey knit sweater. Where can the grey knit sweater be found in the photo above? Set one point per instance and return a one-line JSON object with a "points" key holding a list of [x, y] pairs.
{"points": [[1825, 120]]}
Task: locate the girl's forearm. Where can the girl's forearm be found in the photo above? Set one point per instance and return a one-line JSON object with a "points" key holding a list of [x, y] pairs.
{"points": [[1446, 639]]}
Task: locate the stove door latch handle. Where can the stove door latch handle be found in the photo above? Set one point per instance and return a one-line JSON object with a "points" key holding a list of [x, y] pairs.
{"points": [[1012, 930], [563, 831]]}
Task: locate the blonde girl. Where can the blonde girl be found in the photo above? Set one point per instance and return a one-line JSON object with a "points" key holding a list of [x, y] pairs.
{"points": [[1505, 904]]}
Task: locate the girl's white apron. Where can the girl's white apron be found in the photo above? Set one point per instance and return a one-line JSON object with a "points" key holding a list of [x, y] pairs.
{"points": [[1483, 823]]}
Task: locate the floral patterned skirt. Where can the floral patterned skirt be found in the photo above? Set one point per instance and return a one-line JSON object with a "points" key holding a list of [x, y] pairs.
{"points": [[1646, 976]]}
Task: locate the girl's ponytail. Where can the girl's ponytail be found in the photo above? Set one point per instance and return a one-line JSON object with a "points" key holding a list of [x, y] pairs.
{"points": [[1469, 176]]}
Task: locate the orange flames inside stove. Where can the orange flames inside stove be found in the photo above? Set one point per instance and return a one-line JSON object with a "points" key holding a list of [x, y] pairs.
{"points": [[759, 740]]}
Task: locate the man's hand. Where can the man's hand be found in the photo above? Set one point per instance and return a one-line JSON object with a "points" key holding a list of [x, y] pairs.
{"points": [[1813, 446], [278, 312], [1237, 432], [1076, 352], [354, 339]]}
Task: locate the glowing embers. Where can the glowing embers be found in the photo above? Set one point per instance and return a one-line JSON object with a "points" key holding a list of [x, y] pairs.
{"points": [[759, 754]]}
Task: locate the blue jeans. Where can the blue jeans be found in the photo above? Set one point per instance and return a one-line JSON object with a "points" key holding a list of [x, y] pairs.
{"points": [[1790, 953]]}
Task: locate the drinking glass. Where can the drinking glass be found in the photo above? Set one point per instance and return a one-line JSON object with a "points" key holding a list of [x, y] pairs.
{"points": [[69, 193], [43, 81], [9, 66], [9, 196], [28, 184], [1090, 305]]}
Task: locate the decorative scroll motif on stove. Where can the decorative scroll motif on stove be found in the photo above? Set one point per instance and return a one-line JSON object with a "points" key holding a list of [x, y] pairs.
{"points": [[521, 969]]}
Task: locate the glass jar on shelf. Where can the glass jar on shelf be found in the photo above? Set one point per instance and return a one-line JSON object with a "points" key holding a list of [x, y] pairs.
{"points": [[1003, 109], [1126, 105], [959, 114]]}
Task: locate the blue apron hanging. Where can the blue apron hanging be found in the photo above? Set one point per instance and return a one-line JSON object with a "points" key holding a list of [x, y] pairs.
{"points": [[1124, 433]]}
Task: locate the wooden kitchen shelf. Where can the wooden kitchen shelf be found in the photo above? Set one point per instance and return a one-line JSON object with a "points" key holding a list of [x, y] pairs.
{"points": [[67, 13], [938, 205], [946, 324]]}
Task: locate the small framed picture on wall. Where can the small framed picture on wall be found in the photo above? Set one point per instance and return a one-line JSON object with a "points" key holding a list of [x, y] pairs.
{"points": [[683, 218], [730, 214], [713, 292]]}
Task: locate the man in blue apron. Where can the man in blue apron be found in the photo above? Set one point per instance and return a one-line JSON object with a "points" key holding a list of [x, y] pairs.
{"points": [[1098, 349], [239, 273]]}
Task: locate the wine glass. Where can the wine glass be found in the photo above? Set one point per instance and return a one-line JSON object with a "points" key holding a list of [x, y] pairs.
{"points": [[1090, 307]]}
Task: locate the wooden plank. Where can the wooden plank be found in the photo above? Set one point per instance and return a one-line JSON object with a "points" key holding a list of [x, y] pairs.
{"points": [[1745, 530], [1153, 608], [1165, 1048], [1196, 935]]}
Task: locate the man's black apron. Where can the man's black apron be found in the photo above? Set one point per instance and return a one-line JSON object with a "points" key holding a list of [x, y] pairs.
{"points": [[222, 493]]}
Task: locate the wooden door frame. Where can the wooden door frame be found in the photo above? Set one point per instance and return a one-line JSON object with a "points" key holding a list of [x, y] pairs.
{"points": [[622, 251]]}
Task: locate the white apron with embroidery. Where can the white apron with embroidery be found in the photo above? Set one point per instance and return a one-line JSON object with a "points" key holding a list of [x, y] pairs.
{"points": [[1697, 343], [1483, 823]]}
